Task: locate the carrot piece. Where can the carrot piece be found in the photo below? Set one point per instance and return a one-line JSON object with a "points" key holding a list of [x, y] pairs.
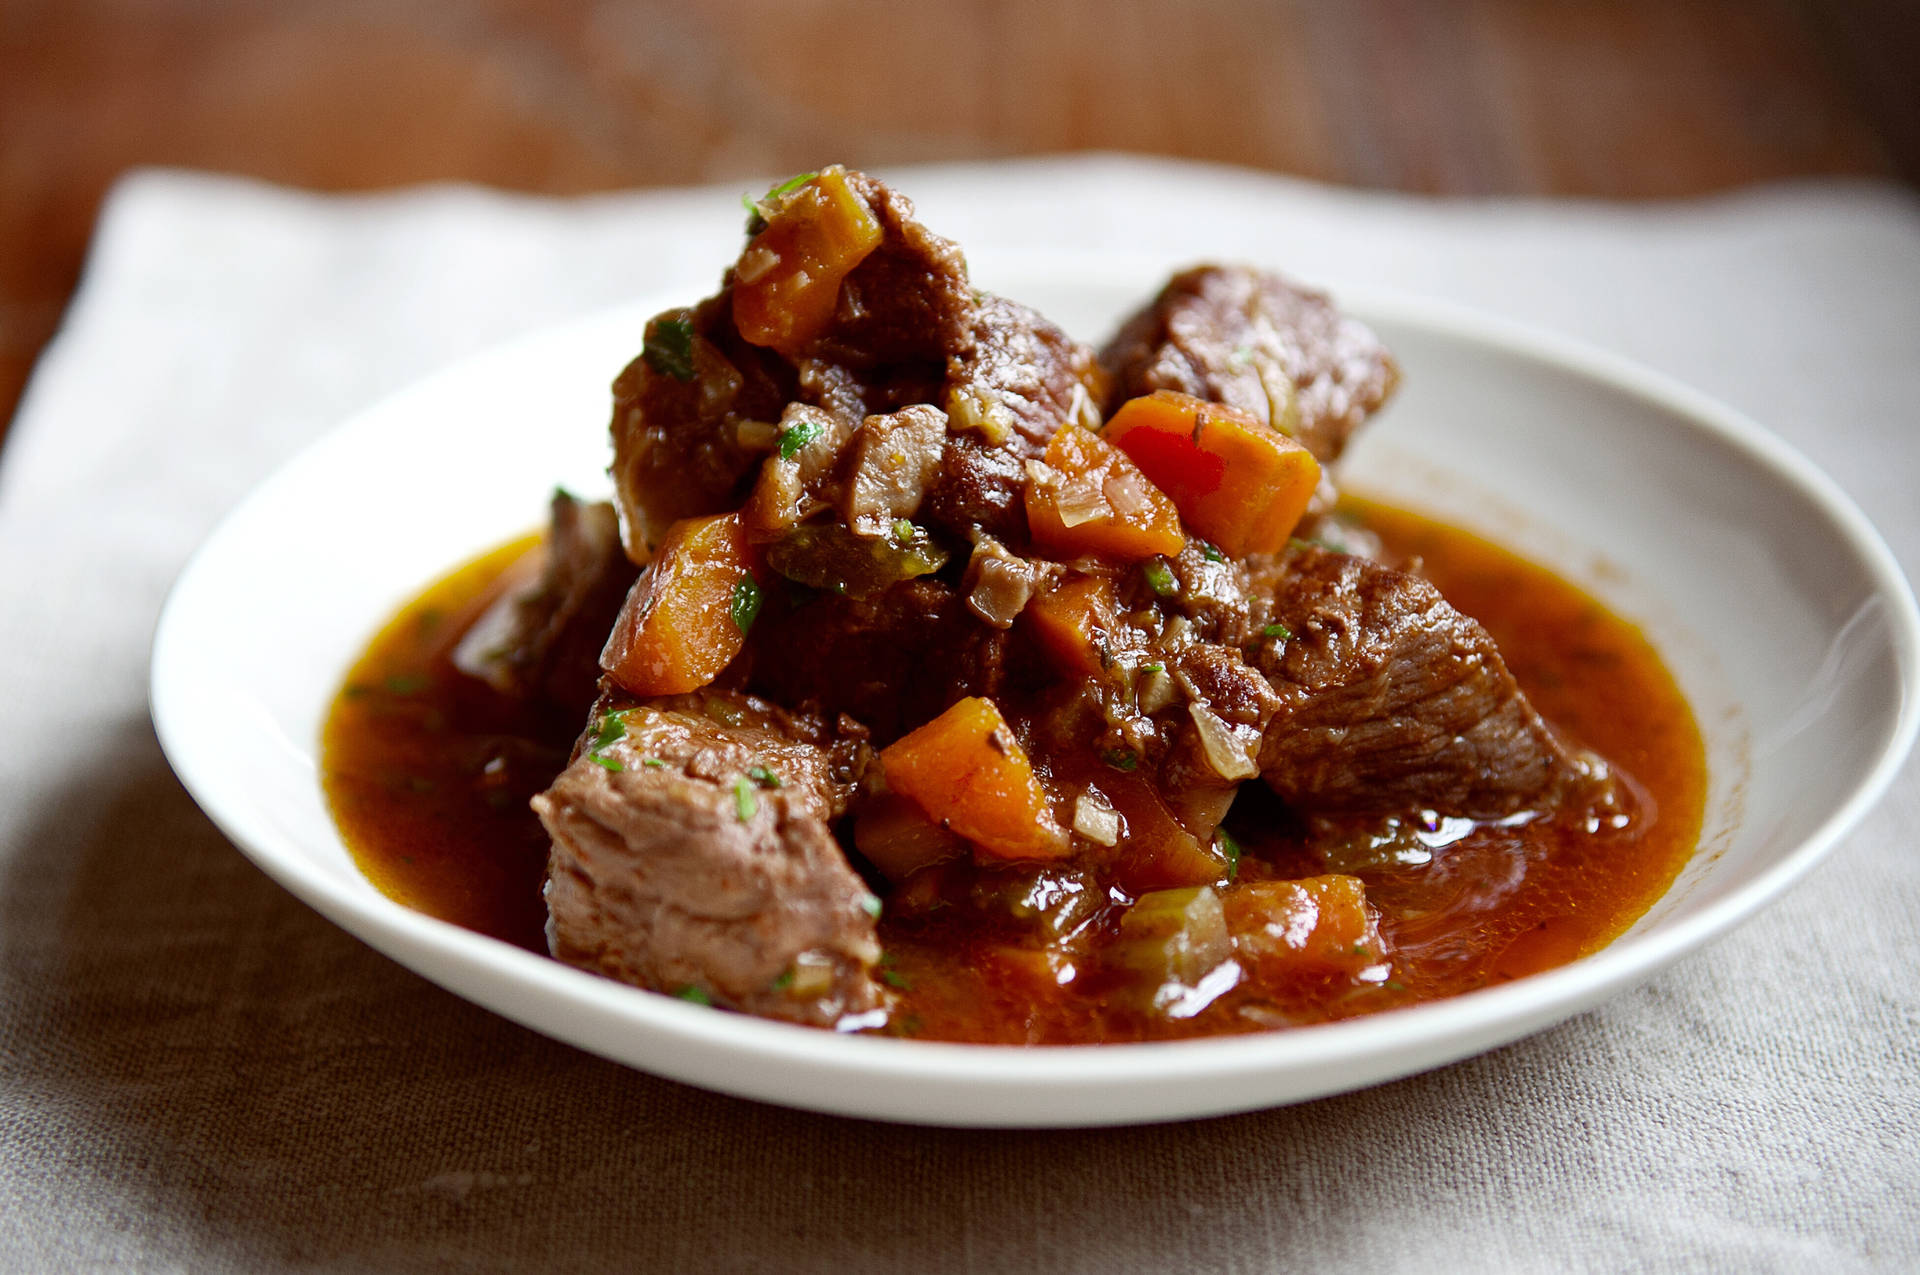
{"points": [[1091, 499], [1311, 926], [1073, 622], [787, 281], [687, 615], [968, 772], [1239, 483]]}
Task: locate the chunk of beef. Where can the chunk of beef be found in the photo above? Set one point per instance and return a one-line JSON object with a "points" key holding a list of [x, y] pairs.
{"points": [[1252, 340], [692, 853], [1017, 380], [1391, 700], [543, 640], [692, 417], [891, 662]]}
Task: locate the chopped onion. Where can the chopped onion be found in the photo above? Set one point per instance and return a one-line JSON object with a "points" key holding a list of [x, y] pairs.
{"points": [[1123, 492], [754, 263], [976, 407], [1228, 757], [1095, 820], [1082, 502], [1155, 691], [757, 436]]}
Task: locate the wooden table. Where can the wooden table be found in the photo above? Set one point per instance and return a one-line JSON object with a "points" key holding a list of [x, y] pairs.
{"points": [[1635, 99]]}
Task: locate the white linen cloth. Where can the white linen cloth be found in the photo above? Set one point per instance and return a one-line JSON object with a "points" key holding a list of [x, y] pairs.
{"points": [[198, 1073]]}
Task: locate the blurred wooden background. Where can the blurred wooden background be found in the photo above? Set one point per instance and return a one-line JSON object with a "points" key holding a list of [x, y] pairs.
{"points": [[1616, 98]]}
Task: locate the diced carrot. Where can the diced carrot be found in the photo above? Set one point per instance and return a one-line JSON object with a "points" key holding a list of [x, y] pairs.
{"points": [[687, 616], [787, 281], [1073, 623], [1092, 499], [1237, 482], [1314, 925], [1033, 973], [969, 773]]}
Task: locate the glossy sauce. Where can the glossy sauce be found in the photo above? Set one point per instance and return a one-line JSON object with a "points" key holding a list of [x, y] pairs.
{"points": [[428, 779]]}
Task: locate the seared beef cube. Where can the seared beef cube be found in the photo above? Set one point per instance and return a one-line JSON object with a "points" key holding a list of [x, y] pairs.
{"points": [[692, 855], [1251, 340], [891, 662], [1391, 700], [1015, 382], [544, 640], [692, 417]]}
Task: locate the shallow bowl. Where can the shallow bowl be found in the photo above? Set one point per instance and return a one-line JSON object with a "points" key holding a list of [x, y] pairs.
{"points": [[1780, 611]]}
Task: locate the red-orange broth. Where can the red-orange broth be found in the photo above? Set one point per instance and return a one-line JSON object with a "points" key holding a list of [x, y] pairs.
{"points": [[428, 776]]}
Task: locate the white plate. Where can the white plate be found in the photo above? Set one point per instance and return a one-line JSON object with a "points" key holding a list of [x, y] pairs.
{"points": [[1780, 610]]}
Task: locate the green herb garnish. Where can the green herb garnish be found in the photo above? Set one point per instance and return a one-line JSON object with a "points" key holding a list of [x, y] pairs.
{"points": [[764, 777], [757, 208], [746, 603], [1280, 631], [902, 531], [785, 980], [1160, 578], [1121, 759], [694, 995], [1153, 668], [1224, 842], [613, 729], [1210, 553], [871, 905], [652, 763], [795, 437], [669, 348], [745, 804]]}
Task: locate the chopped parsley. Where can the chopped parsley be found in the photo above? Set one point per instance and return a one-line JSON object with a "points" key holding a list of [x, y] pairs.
{"points": [[1160, 578], [1280, 631], [1225, 843], [891, 976], [871, 905], [785, 980], [694, 995], [1153, 668], [757, 209], [902, 531], [795, 437], [764, 777], [613, 729], [669, 348], [652, 763], [1122, 759], [745, 804], [1210, 553], [746, 603]]}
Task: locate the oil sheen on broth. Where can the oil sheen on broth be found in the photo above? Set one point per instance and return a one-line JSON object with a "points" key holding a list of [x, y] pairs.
{"points": [[428, 776]]}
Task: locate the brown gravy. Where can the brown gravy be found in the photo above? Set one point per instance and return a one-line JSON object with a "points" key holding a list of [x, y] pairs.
{"points": [[428, 778]]}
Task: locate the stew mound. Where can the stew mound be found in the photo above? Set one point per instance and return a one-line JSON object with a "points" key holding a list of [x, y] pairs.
{"points": [[932, 673]]}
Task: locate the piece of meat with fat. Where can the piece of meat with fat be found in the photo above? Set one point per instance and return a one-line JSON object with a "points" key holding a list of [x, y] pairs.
{"points": [[1252, 340], [543, 639], [1391, 700], [693, 854]]}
